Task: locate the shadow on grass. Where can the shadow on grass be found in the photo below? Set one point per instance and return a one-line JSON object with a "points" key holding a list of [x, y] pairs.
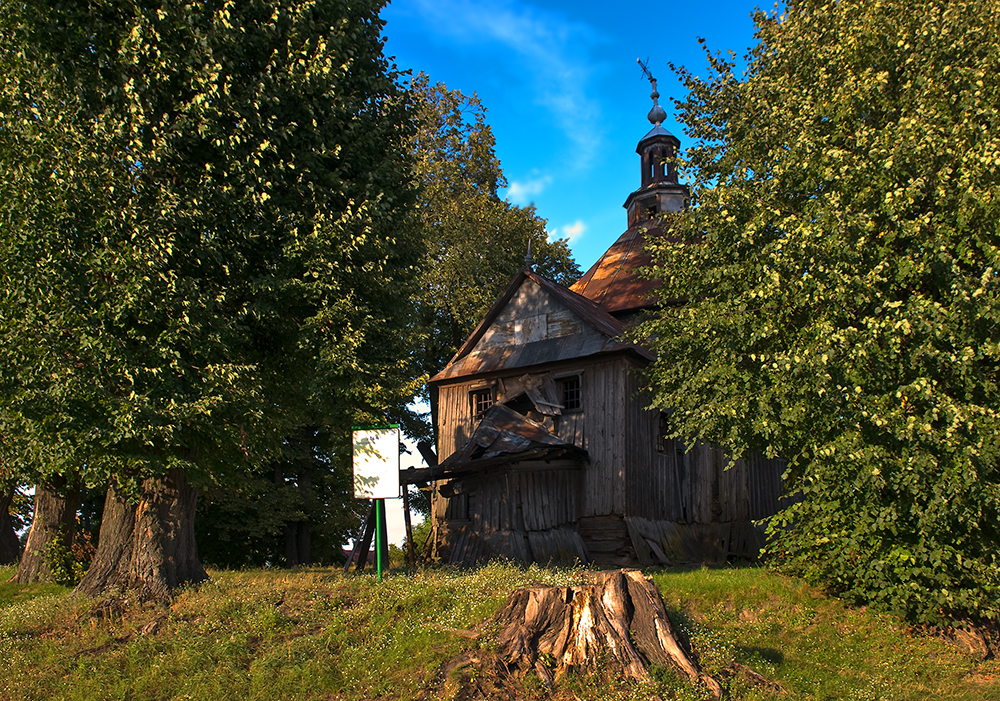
{"points": [[755, 654]]}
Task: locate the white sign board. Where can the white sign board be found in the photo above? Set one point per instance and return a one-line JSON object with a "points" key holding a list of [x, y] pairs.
{"points": [[376, 463]]}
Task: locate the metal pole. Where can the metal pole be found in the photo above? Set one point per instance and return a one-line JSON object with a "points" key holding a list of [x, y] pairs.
{"points": [[379, 535], [385, 536]]}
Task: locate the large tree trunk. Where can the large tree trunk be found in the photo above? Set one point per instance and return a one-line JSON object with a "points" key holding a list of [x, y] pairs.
{"points": [[148, 547], [10, 546], [114, 545], [298, 534], [618, 622], [54, 520]]}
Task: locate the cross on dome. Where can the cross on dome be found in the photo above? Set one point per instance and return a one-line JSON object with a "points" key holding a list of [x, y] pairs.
{"points": [[657, 115]]}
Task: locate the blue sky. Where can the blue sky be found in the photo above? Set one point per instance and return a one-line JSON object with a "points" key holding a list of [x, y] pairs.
{"points": [[565, 98]]}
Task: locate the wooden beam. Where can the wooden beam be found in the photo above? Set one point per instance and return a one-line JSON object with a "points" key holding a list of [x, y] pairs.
{"points": [[415, 475], [361, 547]]}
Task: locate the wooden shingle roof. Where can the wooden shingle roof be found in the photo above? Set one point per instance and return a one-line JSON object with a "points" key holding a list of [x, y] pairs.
{"points": [[613, 282]]}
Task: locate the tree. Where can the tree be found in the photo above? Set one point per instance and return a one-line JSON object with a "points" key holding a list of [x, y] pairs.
{"points": [[839, 266], [475, 242], [300, 512], [53, 527], [207, 231], [10, 546]]}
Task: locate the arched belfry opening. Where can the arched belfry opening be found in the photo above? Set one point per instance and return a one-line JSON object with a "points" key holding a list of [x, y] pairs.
{"points": [[614, 281]]}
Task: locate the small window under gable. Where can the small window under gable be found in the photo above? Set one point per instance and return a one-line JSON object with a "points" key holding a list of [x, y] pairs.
{"points": [[481, 400], [572, 394]]}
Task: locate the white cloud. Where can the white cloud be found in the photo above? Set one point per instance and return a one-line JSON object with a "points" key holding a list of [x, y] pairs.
{"points": [[521, 192], [570, 232], [546, 50]]}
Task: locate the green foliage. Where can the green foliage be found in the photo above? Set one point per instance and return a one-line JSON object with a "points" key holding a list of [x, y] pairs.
{"points": [[840, 267], [20, 507], [206, 232], [421, 532], [67, 565], [243, 524], [475, 242]]}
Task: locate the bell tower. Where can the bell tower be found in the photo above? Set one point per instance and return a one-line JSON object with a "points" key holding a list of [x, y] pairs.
{"points": [[658, 190], [614, 281]]}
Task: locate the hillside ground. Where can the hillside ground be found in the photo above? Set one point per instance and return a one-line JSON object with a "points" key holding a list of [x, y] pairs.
{"points": [[316, 633]]}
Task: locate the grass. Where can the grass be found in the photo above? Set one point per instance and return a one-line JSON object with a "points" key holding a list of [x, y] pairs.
{"points": [[814, 646], [317, 634], [11, 593]]}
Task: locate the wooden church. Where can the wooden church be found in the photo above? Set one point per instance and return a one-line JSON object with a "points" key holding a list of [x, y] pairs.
{"points": [[550, 454]]}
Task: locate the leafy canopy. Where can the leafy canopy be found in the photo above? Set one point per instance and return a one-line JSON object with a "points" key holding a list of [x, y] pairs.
{"points": [[839, 266], [474, 241], [205, 229]]}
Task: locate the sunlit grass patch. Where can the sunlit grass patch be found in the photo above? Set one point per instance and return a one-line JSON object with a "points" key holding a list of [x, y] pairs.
{"points": [[314, 633], [12, 593], [301, 633], [813, 645]]}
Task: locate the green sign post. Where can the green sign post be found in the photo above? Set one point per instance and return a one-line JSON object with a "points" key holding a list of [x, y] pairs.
{"points": [[381, 539], [376, 476]]}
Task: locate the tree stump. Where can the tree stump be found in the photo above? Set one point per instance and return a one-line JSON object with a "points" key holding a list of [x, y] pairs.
{"points": [[618, 622]]}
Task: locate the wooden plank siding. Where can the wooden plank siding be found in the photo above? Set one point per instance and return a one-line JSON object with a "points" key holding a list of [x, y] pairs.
{"points": [[652, 486], [606, 438]]}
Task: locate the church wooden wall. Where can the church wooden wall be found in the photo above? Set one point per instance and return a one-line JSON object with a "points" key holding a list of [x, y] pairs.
{"points": [[525, 513], [672, 498], [682, 499], [601, 428]]}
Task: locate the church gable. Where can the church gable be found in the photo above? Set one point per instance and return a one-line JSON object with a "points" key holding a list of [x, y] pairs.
{"points": [[535, 322], [531, 315]]}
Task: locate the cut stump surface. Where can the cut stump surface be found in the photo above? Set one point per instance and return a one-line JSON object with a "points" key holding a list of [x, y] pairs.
{"points": [[619, 622]]}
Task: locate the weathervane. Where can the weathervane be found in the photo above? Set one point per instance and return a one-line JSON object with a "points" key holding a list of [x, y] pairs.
{"points": [[657, 115]]}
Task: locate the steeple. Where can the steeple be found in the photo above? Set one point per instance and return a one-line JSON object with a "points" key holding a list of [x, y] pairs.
{"points": [[658, 190], [614, 282]]}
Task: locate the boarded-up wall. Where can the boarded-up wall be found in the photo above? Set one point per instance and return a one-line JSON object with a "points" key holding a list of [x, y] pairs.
{"points": [[601, 427], [533, 496]]}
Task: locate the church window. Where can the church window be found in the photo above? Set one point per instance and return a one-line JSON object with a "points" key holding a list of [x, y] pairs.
{"points": [[481, 400], [572, 396]]}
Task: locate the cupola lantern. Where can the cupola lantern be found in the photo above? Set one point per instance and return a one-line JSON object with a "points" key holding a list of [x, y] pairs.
{"points": [[658, 190]]}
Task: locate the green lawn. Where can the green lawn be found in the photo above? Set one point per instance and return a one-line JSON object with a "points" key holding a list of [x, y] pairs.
{"points": [[317, 634]]}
